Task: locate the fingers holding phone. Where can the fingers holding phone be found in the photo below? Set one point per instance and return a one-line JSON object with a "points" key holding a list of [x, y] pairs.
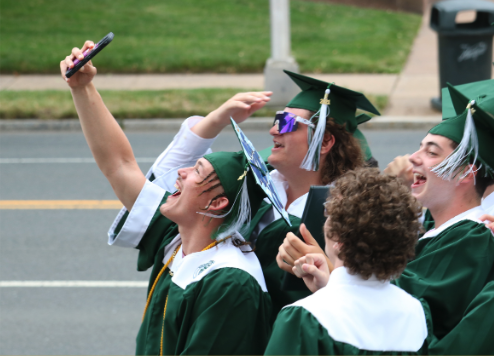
{"points": [[86, 72], [77, 68]]}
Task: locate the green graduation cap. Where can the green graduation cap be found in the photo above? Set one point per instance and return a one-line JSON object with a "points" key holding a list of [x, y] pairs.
{"points": [[472, 128], [470, 90], [241, 190], [329, 100], [343, 102]]}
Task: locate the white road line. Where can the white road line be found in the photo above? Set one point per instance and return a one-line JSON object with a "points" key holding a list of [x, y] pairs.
{"points": [[61, 160], [84, 284]]}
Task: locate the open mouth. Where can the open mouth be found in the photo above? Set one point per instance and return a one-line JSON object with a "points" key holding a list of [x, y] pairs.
{"points": [[277, 145], [177, 192], [418, 180]]}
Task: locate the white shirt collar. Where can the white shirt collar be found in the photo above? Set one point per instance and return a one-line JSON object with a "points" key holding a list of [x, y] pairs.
{"points": [[297, 207], [472, 214], [341, 275], [488, 202]]}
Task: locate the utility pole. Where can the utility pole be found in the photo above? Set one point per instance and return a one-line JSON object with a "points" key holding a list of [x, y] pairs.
{"points": [[283, 88]]}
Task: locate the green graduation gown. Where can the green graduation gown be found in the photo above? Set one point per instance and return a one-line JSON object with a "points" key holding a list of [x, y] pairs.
{"points": [[267, 244], [216, 301], [453, 264], [474, 334], [352, 316]]}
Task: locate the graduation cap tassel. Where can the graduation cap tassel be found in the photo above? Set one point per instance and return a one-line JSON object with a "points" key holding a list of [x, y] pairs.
{"points": [[450, 167], [311, 160]]}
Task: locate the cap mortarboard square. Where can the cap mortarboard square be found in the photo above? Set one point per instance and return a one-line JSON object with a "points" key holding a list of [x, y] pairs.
{"points": [[469, 91], [343, 102]]}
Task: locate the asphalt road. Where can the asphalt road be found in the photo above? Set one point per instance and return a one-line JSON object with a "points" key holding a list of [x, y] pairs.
{"points": [[70, 245]]}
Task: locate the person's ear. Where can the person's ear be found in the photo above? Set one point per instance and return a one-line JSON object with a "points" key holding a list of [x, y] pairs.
{"points": [[219, 204], [327, 143], [337, 246], [470, 177]]}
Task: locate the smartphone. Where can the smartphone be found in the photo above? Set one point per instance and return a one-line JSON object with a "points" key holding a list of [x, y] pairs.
{"points": [[89, 54]]}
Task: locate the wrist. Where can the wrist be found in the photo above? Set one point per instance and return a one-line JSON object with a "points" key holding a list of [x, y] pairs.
{"points": [[84, 89], [215, 119]]}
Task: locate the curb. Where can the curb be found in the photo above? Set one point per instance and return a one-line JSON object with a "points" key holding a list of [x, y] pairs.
{"points": [[378, 123]]}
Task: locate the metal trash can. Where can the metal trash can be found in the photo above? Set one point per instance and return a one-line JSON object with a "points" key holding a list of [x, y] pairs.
{"points": [[465, 49]]}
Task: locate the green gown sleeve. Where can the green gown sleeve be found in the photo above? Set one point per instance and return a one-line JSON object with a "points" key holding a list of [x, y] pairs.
{"points": [[449, 271], [228, 313], [159, 233], [267, 246], [297, 332], [474, 334]]}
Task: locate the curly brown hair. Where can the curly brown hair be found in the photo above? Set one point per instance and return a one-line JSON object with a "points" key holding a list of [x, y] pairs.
{"points": [[344, 156], [376, 219]]}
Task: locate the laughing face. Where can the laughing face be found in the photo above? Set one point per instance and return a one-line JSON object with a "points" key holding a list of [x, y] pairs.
{"points": [[196, 187], [430, 190], [290, 148]]}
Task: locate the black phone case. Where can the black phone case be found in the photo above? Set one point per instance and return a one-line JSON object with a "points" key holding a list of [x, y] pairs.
{"points": [[100, 45], [314, 219]]}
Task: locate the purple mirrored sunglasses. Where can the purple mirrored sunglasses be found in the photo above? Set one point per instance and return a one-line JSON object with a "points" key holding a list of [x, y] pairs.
{"points": [[288, 122]]}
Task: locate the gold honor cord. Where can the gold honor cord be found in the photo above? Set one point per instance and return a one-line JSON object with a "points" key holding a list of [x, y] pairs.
{"points": [[210, 246], [163, 327], [157, 279]]}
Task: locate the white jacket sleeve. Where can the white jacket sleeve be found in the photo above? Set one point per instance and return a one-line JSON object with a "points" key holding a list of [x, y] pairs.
{"points": [[137, 222], [185, 149]]}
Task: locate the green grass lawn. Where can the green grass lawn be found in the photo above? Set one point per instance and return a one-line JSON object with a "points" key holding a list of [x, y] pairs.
{"points": [[223, 36], [128, 104]]}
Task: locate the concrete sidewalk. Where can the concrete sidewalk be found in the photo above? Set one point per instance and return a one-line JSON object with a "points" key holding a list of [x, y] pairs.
{"points": [[378, 84]]}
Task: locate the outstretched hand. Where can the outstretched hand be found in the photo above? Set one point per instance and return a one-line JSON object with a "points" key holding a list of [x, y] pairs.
{"points": [[84, 75], [313, 269], [240, 107], [401, 168], [293, 249]]}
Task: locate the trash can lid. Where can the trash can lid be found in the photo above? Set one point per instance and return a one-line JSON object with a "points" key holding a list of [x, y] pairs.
{"points": [[443, 17], [462, 5]]}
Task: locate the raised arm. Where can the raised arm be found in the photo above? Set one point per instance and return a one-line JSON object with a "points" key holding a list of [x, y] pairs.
{"points": [[239, 107], [109, 145]]}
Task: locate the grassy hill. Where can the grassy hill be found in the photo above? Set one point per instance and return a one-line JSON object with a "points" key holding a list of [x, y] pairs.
{"points": [[224, 36]]}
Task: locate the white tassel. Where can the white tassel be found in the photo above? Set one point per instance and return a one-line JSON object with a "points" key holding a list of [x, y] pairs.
{"points": [[312, 158], [242, 221], [448, 168]]}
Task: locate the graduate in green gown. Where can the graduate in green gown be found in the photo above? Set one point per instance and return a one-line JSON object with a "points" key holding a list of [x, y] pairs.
{"points": [[455, 260], [207, 293], [310, 153], [356, 310], [340, 148]]}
